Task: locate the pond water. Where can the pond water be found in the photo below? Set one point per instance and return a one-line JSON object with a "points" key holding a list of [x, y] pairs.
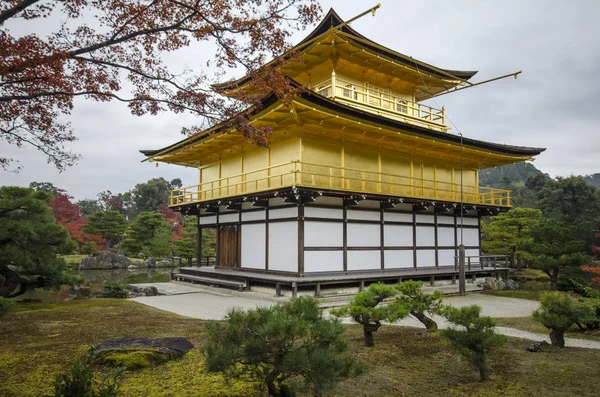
{"points": [[95, 279]]}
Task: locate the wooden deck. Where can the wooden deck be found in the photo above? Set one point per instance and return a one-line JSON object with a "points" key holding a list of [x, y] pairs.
{"points": [[242, 279]]}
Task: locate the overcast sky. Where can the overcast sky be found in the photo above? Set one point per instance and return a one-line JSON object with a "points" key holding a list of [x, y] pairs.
{"points": [[552, 104]]}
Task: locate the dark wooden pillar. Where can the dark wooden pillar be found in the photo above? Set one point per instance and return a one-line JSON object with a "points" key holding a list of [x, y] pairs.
{"points": [[199, 244]]}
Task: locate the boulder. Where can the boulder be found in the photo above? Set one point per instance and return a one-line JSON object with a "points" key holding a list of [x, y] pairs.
{"points": [[140, 352], [491, 284], [105, 260], [150, 290], [511, 285], [537, 346], [164, 263], [151, 261]]}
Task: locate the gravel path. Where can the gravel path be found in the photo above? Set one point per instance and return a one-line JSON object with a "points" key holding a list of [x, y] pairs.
{"points": [[214, 306]]}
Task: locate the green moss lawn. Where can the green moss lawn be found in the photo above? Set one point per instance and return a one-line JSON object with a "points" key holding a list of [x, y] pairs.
{"points": [[39, 341]]}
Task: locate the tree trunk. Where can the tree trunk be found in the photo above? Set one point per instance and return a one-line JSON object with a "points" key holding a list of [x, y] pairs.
{"points": [[368, 334], [557, 337], [519, 264], [426, 321], [484, 373], [12, 281], [271, 388]]}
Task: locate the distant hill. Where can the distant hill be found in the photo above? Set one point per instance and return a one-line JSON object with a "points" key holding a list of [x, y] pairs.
{"points": [[593, 180], [508, 176]]}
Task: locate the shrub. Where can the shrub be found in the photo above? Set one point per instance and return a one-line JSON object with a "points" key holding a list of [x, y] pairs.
{"points": [[113, 289], [579, 287], [418, 303], [366, 310], [6, 306], [474, 338], [276, 344], [558, 312], [87, 248], [81, 382]]}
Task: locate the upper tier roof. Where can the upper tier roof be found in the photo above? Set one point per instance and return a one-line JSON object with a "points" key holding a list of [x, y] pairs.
{"points": [[446, 78]]}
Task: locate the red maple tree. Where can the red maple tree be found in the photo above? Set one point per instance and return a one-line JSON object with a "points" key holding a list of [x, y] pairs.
{"points": [[174, 219], [68, 215], [104, 48]]}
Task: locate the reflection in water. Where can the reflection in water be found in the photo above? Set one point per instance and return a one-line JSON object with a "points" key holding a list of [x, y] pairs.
{"points": [[95, 279]]}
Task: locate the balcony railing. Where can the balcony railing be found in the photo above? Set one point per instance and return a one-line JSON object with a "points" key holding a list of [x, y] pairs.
{"points": [[298, 173], [376, 100]]}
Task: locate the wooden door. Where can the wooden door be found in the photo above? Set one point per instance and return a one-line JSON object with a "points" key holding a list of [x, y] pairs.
{"points": [[228, 246]]}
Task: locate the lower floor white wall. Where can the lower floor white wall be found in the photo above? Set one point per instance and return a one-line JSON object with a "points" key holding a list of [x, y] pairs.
{"points": [[323, 261], [253, 246], [283, 246]]}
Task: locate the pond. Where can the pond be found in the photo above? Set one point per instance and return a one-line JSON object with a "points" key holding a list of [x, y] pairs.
{"points": [[95, 278]]}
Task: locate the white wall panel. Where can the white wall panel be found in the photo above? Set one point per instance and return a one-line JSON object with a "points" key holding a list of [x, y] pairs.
{"points": [[446, 237], [364, 260], [363, 215], [425, 218], [283, 246], [398, 235], [468, 221], [395, 259], [323, 234], [207, 220], [446, 257], [472, 252], [225, 218], [316, 212], [470, 237], [253, 246], [290, 212], [363, 235], [323, 261], [425, 258], [446, 220], [397, 217], [253, 216], [425, 236]]}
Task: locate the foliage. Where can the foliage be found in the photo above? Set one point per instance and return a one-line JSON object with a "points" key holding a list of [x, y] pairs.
{"points": [[507, 232], [88, 207], [109, 224], [595, 270], [29, 242], [87, 248], [174, 219], [474, 337], [507, 176], [142, 231], [151, 195], [68, 215], [419, 303], [577, 286], [558, 312], [160, 245], [80, 381], [593, 179], [591, 320], [186, 246], [113, 289], [554, 247], [6, 306], [128, 42], [366, 310], [275, 344]]}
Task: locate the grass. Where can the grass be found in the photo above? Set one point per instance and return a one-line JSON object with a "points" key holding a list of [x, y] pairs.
{"points": [[41, 340]]}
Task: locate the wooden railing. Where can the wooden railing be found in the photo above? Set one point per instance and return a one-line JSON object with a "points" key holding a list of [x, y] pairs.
{"points": [[484, 261], [382, 103], [297, 173]]}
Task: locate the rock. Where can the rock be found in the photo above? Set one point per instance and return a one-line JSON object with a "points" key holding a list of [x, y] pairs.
{"points": [[489, 284], [105, 260], [150, 290], [83, 293], [151, 261], [500, 284], [140, 352], [537, 346], [511, 285], [164, 263]]}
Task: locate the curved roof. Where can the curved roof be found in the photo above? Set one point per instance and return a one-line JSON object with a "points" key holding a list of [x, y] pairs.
{"points": [[331, 20], [342, 109]]}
